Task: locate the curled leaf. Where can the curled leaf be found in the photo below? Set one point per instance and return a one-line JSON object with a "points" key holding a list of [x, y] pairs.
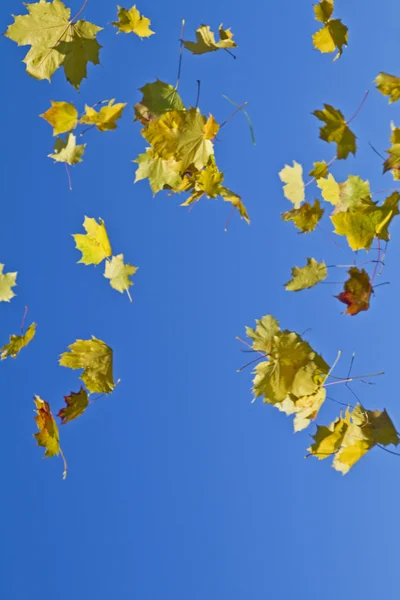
{"points": [[357, 291], [17, 342]]}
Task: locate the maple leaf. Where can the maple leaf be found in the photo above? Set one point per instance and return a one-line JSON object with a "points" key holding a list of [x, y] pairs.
{"points": [[393, 161], [205, 40], [236, 201], [388, 85], [131, 21], [62, 116], [336, 130], [67, 151], [17, 342], [94, 244], [294, 188], [48, 435], [118, 273], [344, 195], [77, 403], [194, 142], [357, 291], [320, 169], [305, 409], [55, 40], [306, 277], [263, 335], [366, 220], [163, 133], [305, 218], [7, 281], [350, 437], [158, 98], [159, 171], [324, 10], [334, 34], [96, 358], [105, 119]]}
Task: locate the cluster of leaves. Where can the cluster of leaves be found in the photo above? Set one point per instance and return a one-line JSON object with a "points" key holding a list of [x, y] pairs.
{"points": [[334, 34], [95, 247], [180, 157], [293, 379]]}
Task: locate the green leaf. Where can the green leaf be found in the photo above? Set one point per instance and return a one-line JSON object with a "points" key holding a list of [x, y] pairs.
{"points": [[308, 276], [131, 21], [388, 85], [306, 218], [158, 98], [320, 169], [94, 244], [96, 358], [205, 40], [294, 188], [7, 281], [336, 130], [366, 220], [344, 195], [159, 171], [118, 273], [62, 116], [76, 404], [55, 41], [17, 342], [67, 151], [194, 144]]}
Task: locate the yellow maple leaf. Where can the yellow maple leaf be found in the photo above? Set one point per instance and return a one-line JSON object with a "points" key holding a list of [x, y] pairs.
{"points": [[294, 188], [131, 21], [94, 244], [104, 119], [62, 116]]}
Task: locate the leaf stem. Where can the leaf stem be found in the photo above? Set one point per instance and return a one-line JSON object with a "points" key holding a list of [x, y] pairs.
{"points": [[180, 55], [23, 320], [231, 53], [69, 177], [198, 93], [377, 261], [65, 464], [251, 347], [233, 114], [347, 380], [249, 363], [359, 108], [80, 11]]}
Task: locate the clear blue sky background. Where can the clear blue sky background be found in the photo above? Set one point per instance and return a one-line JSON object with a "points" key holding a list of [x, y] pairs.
{"points": [[179, 488]]}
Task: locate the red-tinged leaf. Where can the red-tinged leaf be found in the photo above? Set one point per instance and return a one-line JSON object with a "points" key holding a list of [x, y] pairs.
{"points": [[357, 292]]}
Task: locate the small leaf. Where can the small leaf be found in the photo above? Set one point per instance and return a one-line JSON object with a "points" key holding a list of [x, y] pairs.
{"points": [[306, 218], [48, 435], [344, 195], [308, 276], [118, 273], [160, 172], [62, 116], [357, 291], [320, 169], [96, 358], [77, 403], [205, 40], [105, 119], [331, 37], [158, 98], [67, 151], [17, 342], [336, 130], [94, 244], [388, 85], [294, 188], [324, 10], [131, 21], [7, 281]]}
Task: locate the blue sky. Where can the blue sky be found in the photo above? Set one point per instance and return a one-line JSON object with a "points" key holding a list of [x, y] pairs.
{"points": [[178, 486]]}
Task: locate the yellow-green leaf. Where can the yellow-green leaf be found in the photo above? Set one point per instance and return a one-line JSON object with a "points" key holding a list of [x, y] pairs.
{"points": [[131, 21], [294, 188], [67, 151], [324, 10], [17, 342], [94, 244], [305, 409], [62, 116], [344, 195], [305, 218], [205, 40], [104, 119], [194, 142], [306, 277], [118, 273], [76, 404], [159, 171], [320, 169], [96, 358], [357, 291], [336, 130], [158, 98], [7, 282], [388, 85], [48, 435], [331, 37]]}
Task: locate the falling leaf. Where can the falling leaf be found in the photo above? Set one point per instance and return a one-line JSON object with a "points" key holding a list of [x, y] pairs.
{"points": [[48, 435], [334, 35], [344, 195], [350, 437], [17, 342], [393, 161], [118, 273], [366, 220], [304, 409], [7, 281], [336, 130], [67, 151], [388, 85], [131, 21], [96, 358], [194, 143], [159, 171], [324, 10], [94, 244], [105, 119], [62, 116], [236, 201], [163, 134], [357, 291], [55, 41], [320, 169], [306, 218], [158, 98], [306, 277], [263, 334], [294, 188], [205, 40], [77, 403]]}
